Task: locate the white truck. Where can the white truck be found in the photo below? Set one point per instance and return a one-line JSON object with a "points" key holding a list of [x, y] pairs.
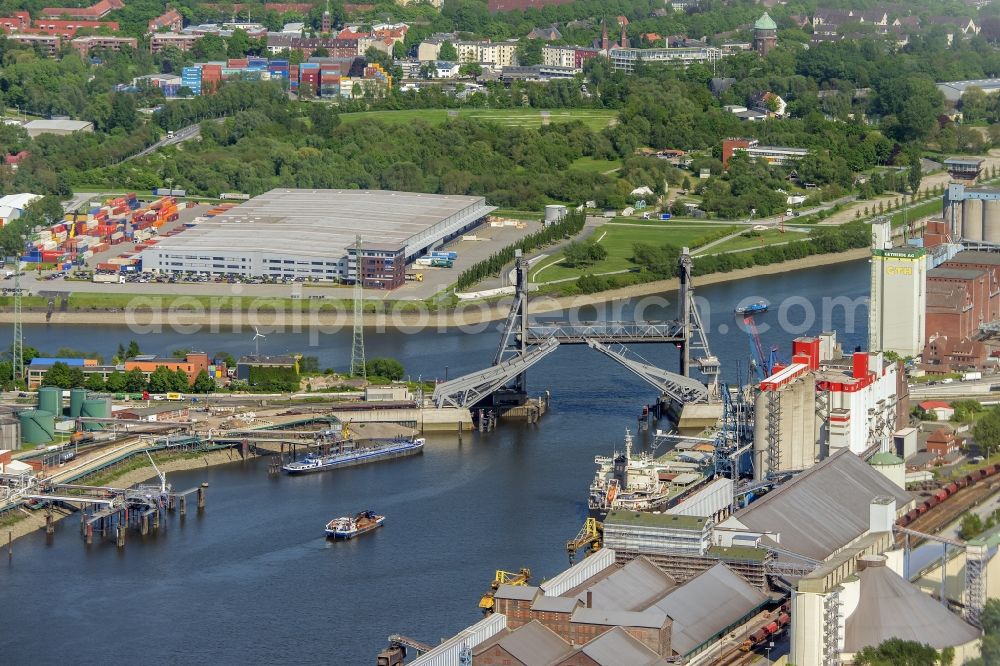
{"points": [[971, 376], [109, 278]]}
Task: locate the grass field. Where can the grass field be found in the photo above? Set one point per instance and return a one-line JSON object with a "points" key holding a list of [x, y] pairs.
{"points": [[760, 239], [594, 118], [924, 209], [592, 165], [619, 239]]}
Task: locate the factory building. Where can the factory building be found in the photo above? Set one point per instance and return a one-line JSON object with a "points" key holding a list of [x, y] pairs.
{"points": [[605, 613], [972, 214], [311, 234], [898, 303]]}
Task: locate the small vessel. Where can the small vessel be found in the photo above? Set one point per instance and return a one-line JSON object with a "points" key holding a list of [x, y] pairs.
{"points": [[347, 527], [759, 307], [350, 454]]}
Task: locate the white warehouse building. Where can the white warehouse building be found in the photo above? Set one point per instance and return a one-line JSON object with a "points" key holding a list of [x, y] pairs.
{"points": [[312, 233]]}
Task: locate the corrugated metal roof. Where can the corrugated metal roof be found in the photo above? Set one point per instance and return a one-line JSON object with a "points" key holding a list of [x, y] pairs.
{"points": [[633, 587], [714, 497], [890, 607], [618, 648], [534, 643], [59, 125], [521, 592], [708, 604], [578, 573], [824, 508], [546, 604], [651, 619], [447, 653]]}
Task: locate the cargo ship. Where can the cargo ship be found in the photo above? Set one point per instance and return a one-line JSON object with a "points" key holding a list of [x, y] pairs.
{"points": [[640, 482], [349, 455], [760, 307], [347, 527]]}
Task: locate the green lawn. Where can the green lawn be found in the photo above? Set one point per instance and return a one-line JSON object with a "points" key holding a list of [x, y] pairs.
{"points": [[593, 165], [759, 239], [924, 209], [619, 239], [518, 214], [594, 118]]}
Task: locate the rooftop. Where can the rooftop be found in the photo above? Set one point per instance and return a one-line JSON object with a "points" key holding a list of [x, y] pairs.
{"points": [[976, 257], [64, 125], [765, 22], [325, 222], [835, 493], [663, 520], [954, 273]]}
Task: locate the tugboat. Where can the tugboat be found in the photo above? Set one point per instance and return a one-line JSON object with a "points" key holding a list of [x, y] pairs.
{"points": [[347, 527], [759, 307]]}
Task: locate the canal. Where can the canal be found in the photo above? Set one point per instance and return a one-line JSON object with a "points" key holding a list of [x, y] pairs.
{"points": [[253, 580]]}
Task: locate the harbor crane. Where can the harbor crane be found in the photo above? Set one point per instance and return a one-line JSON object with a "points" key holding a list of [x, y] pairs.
{"points": [[588, 539], [503, 578]]}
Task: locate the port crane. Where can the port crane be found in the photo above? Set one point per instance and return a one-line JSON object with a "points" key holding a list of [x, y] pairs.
{"points": [[588, 539], [503, 578]]}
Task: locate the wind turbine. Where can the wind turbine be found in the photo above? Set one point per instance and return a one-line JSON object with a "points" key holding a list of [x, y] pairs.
{"points": [[257, 336]]}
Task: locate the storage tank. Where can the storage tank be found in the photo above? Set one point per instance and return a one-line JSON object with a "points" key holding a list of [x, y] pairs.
{"points": [[97, 408], [946, 214], [972, 219], [554, 213], [10, 433], [891, 467], [37, 426], [991, 222], [76, 398], [50, 399]]}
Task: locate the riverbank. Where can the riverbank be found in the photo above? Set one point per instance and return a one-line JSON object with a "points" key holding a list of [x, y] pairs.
{"points": [[35, 520], [396, 316]]}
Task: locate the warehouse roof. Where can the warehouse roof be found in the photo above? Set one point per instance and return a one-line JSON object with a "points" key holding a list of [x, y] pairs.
{"points": [[57, 125], [533, 643], [633, 587], [618, 647], [520, 592], [325, 222], [954, 273], [706, 605], [975, 257], [663, 520], [836, 493], [891, 607], [652, 618]]}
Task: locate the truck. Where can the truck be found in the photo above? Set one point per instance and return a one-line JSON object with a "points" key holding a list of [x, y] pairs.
{"points": [[174, 396], [441, 263], [971, 376], [414, 277], [108, 278], [441, 254]]}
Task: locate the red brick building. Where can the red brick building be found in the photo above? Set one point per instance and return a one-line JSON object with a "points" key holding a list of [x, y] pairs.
{"points": [[171, 20], [943, 354], [95, 11], [943, 442], [958, 301]]}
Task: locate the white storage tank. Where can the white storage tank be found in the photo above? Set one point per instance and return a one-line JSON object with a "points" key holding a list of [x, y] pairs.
{"points": [[891, 467], [991, 222], [554, 213], [972, 219]]}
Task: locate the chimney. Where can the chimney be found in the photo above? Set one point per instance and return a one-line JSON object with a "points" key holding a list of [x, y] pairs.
{"points": [[590, 599]]}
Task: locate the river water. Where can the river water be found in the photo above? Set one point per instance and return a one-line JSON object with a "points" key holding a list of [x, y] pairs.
{"points": [[252, 580]]}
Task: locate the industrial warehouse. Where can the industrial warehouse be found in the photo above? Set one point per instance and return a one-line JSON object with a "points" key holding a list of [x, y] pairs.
{"points": [[312, 234]]}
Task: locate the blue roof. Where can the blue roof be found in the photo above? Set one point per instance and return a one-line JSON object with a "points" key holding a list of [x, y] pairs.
{"points": [[40, 360]]}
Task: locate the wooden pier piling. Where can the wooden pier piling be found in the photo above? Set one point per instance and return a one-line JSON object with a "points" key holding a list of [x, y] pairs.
{"points": [[121, 529], [201, 499], [50, 527]]}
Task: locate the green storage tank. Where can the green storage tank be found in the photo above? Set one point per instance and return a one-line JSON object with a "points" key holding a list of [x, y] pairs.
{"points": [[97, 408], [37, 426], [76, 398], [50, 400]]}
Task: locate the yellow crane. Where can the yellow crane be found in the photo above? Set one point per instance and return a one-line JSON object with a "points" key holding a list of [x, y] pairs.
{"points": [[589, 539], [503, 578]]}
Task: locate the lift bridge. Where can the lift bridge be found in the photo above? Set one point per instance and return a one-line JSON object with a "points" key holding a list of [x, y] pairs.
{"points": [[523, 344]]}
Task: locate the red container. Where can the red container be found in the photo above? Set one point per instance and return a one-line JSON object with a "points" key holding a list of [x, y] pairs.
{"points": [[238, 63]]}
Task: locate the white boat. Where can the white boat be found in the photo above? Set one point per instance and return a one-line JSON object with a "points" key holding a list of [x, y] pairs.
{"points": [[347, 527]]}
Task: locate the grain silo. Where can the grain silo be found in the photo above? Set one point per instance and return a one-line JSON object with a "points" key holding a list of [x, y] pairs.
{"points": [[972, 219], [991, 221]]}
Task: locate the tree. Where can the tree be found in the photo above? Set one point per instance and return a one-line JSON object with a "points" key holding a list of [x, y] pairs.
{"points": [[972, 526], [123, 112], [309, 365], [897, 652], [529, 52], [320, 52], [116, 382], [915, 174], [578, 253], [135, 381], [133, 349], [57, 375], [94, 382], [910, 105], [226, 358], [161, 380], [203, 383], [448, 52], [209, 47], [974, 104], [76, 377], [388, 368], [471, 69], [398, 51], [986, 432], [181, 383]]}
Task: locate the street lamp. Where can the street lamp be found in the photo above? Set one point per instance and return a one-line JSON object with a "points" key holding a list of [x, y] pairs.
{"points": [[770, 646]]}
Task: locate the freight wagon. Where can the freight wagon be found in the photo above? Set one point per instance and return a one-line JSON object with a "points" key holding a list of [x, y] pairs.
{"points": [[943, 493]]}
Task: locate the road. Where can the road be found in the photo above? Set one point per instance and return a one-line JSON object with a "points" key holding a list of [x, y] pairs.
{"points": [[181, 135]]}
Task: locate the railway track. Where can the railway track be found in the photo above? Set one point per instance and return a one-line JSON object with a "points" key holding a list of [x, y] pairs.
{"points": [[947, 512]]}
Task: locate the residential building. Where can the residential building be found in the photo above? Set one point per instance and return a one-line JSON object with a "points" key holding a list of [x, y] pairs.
{"points": [[170, 20], [537, 73], [499, 54], [624, 59], [48, 45], [161, 40], [777, 155], [943, 442], [98, 10], [336, 48], [87, 44], [549, 34], [567, 56]]}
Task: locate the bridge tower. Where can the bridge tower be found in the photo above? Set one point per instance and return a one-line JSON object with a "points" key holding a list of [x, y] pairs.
{"points": [[514, 341], [693, 336]]}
